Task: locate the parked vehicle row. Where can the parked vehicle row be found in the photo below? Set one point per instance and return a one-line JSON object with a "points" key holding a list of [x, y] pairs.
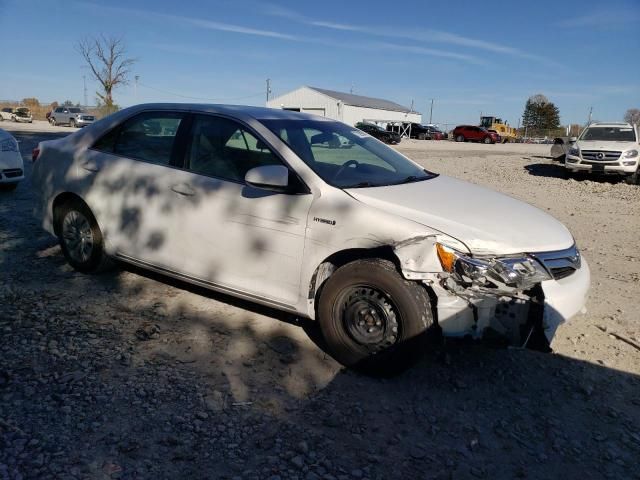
{"points": [[19, 114], [256, 203]]}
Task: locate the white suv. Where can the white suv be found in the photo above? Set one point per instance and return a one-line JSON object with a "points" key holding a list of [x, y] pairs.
{"points": [[311, 216], [606, 148]]}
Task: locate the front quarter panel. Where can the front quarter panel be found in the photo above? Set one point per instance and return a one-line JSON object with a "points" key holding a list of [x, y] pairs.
{"points": [[338, 222]]}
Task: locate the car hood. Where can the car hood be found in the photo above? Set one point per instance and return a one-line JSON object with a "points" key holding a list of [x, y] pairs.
{"points": [[486, 221], [608, 146]]}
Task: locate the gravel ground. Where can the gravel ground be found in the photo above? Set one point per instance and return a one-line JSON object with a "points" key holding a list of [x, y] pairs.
{"points": [[133, 375]]}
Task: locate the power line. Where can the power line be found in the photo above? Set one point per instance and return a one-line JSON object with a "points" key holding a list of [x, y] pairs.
{"points": [[200, 98]]}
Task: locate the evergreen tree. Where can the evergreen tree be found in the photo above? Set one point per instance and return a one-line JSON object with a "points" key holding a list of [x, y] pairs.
{"points": [[540, 114]]}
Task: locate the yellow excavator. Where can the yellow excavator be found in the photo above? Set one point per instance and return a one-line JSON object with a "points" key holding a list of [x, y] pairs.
{"points": [[507, 133]]}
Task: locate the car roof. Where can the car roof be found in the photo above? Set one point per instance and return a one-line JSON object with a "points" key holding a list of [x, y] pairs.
{"points": [[611, 124], [258, 113]]}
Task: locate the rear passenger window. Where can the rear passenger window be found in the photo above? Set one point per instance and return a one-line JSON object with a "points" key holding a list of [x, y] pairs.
{"points": [[222, 148], [149, 136]]}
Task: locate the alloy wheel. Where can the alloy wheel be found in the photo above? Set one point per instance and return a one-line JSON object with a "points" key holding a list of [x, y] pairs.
{"points": [[77, 236]]}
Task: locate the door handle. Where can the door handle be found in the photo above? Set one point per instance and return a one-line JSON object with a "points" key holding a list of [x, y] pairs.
{"points": [[90, 167], [183, 189]]}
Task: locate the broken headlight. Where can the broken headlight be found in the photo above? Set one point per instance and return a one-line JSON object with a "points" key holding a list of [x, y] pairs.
{"points": [[520, 273]]}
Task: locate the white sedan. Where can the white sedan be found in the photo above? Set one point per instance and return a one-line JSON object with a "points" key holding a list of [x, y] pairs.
{"points": [[11, 166], [311, 216]]}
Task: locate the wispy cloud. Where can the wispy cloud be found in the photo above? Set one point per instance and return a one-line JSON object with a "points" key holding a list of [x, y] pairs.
{"points": [[610, 18], [423, 35], [196, 22], [244, 30]]}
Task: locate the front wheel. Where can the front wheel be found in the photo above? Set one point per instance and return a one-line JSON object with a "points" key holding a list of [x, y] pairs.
{"points": [[634, 179], [52, 121], [460, 138], [80, 238], [72, 123], [487, 140], [8, 187], [372, 318]]}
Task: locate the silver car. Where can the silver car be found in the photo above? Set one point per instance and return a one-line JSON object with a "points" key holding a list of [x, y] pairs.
{"points": [[72, 116]]}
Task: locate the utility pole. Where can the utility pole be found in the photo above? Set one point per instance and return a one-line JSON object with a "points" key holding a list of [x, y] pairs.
{"points": [[351, 89], [268, 88], [135, 87], [431, 112], [84, 82]]}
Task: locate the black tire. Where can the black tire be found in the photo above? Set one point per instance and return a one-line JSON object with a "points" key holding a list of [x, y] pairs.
{"points": [[374, 320], [52, 121], [634, 178], [487, 140], [460, 138], [8, 187], [422, 136], [72, 123], [74, 219]]}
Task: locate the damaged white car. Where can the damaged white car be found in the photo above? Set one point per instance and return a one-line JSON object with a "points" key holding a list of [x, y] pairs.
{"points": [[311, 216]]}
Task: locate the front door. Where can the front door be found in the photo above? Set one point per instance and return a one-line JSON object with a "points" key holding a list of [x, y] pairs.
{"points": [[235, 236]]}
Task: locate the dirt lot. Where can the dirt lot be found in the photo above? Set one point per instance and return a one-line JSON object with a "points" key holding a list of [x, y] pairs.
{"points": [[132, 375]]}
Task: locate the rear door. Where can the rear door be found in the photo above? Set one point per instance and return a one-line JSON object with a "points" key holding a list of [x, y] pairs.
{"points": [[132, 173]]}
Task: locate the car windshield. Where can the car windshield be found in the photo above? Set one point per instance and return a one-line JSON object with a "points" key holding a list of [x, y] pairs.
{"points": [[344, 156], [609, 134], [75, 110]]}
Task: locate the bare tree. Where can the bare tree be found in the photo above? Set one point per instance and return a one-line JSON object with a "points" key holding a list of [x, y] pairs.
{"points": [[106, 57], [632, 116]]}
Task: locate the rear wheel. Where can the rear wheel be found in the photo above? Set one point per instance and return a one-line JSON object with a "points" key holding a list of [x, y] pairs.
{"points": [[80, 237], [372, 318], [421, 136], [72, 123], [52, 121]]}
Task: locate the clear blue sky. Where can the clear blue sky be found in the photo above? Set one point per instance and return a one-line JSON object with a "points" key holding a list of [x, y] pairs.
{"points": [[469, 56]]}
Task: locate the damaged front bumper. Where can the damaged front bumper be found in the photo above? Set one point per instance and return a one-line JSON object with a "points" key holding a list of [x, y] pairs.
{"points": [[525, 318]]}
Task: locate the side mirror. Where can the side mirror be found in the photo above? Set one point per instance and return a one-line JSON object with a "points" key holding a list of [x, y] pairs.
{"points": [[269, 177]]}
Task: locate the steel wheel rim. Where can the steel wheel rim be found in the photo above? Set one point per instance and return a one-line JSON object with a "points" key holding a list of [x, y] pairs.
{"points": [[369, 317], [77, 236]]}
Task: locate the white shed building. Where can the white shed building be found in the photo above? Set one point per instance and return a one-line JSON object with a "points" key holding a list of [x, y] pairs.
{"points": [[345, 107]]}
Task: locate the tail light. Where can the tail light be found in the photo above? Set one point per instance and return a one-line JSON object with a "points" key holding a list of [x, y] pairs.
{"points": [[34, 154]]}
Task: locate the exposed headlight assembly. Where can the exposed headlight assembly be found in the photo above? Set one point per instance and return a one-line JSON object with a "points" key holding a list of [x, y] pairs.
{"points": [[630, 154], [8, 145], [520, 273]]}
